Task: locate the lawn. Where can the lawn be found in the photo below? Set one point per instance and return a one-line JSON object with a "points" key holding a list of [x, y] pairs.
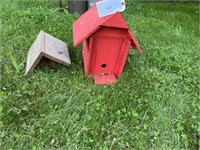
{"points": [[153, 105]]}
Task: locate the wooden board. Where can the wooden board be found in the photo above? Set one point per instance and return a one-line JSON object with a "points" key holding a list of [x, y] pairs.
{"points": [[104, 79], [56, 50], [47, 46], [35, 53]]}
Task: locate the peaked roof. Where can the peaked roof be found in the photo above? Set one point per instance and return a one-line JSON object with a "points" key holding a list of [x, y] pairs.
{"points": [[47, 46], [90, 22]]}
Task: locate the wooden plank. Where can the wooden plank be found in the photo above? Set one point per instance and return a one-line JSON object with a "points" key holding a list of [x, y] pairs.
{"points": [[35, 53], [86, 52], [56, 50], [87, 24]]}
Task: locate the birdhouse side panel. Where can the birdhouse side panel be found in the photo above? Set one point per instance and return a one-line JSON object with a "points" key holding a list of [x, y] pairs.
{"points": [[86, 53], [122, 57]]}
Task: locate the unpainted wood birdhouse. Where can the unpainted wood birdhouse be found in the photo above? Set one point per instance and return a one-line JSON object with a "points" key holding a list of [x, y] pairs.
{"points": [[106, 41], [46, 47]]}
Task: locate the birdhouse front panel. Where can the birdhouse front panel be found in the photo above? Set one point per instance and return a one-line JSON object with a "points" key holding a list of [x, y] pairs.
{"points": [[105, 54], [108, 51]]}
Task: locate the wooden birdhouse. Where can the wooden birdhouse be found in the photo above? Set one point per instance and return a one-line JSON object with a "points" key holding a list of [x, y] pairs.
{"points": [[47, 50], [106, 41]]}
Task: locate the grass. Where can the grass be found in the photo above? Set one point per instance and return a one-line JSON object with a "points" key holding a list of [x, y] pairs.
{"points": [[153, 105]]}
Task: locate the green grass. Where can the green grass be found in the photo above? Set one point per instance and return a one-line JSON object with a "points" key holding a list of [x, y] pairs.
{"points": [[153, 105]]}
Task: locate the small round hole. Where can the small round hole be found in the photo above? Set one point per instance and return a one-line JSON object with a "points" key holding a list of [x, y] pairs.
{"points": [[103, 66], [60, 52]]}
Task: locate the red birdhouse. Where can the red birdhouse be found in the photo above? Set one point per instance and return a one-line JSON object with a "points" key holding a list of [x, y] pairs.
{"points": [[106, 41]]}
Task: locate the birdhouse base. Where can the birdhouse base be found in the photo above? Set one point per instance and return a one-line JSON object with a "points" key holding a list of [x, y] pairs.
{"points": [[104, 79]]}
